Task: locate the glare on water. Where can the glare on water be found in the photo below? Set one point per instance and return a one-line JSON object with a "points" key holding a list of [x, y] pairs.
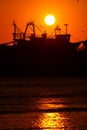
{"points": [[51, 120]]}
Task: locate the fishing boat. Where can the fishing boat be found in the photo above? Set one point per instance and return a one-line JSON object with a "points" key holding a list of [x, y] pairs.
{"points": [[40, 55]]}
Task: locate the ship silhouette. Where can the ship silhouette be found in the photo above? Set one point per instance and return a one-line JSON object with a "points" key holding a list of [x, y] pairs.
{"points": [[42, 55]]}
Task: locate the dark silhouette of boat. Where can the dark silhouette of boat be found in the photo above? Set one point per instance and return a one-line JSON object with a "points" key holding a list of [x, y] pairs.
{"points": [[32, 55]]}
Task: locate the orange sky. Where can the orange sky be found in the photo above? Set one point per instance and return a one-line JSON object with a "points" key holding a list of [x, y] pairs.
{"points": [[65, 11]]}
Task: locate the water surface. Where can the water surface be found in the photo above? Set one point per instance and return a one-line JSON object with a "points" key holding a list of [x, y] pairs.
{"points": [[45, 103]]}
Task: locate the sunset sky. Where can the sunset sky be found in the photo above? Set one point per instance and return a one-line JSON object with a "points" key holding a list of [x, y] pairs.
{"points": [[72, 12]]}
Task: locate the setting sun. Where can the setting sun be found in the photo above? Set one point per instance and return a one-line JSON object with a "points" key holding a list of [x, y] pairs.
{"points": [[49, 19]]}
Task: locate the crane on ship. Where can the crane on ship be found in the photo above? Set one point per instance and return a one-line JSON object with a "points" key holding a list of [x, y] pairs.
{"points": [[30, 26], [18, 34]]}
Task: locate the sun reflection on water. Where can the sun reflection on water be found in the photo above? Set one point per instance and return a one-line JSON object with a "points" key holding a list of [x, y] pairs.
{"points": [[51, 121], [48, 119], [50, 103]]}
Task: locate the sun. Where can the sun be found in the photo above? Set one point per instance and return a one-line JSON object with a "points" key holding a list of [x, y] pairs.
{"points": [[50, 19]]}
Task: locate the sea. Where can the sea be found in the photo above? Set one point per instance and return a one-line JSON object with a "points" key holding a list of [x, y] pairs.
{"points": [[43, 103]]}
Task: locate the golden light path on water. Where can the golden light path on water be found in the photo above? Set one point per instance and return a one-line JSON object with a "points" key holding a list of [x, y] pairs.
{"points": [[51, 120]]}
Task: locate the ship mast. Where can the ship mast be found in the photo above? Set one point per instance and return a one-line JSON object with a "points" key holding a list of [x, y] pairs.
{"points": [[66, 25]]}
